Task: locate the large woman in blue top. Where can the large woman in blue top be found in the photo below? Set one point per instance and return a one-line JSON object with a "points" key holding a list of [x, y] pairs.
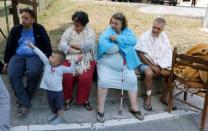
{"points": [[116, 59]]}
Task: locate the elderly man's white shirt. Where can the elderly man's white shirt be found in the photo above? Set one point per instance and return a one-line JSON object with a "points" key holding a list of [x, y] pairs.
{"points": [[156, 49]]}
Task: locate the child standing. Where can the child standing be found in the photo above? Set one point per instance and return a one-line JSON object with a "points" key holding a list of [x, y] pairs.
{"points": [[52, 82]]}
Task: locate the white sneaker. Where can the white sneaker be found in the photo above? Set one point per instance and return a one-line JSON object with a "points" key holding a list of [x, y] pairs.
{"points": [[51, 117], [57, 120]]}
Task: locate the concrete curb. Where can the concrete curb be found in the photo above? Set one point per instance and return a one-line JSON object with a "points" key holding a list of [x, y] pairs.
{"points": [[108, 123]]}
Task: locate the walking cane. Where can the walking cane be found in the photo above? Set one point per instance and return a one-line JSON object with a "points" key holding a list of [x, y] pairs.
{"points": [[122, 85]]}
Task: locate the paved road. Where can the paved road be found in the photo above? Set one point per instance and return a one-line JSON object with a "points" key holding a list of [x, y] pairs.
{"points": [[172, 10], [176, 124], [184, 10]]}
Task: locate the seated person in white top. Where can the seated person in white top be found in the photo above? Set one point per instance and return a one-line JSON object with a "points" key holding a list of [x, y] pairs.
{"points": [[52, 82], [156, 55]]}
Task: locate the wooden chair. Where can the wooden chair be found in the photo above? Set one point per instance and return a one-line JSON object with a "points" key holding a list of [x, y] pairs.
{"points": [[198, 86]]}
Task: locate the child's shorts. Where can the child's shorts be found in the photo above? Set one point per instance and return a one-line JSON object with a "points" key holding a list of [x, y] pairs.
{"points": [[55, 100]]}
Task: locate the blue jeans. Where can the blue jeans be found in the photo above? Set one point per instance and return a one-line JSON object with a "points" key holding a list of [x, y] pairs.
{"points": [[20, 66]]}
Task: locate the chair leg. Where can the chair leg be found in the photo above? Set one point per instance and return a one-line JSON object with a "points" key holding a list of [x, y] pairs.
{"points": [[204, 112], [170, 100]]}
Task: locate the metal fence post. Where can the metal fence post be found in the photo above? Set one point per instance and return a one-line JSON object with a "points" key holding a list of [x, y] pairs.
{"points": [[6, 14]]}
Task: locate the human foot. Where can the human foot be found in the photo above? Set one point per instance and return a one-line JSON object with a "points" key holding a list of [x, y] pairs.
{"points": [[138, 114], [147, 103], [87, 106], [67, 104]]}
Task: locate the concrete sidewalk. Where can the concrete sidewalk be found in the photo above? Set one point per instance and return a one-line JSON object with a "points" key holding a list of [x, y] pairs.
{"points": [[79, 119]]}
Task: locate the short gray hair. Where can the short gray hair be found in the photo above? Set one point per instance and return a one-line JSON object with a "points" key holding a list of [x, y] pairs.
{"points": [[160, 20]]}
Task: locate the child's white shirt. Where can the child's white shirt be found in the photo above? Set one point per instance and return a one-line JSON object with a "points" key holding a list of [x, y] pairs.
{"points": [[53, 76]]}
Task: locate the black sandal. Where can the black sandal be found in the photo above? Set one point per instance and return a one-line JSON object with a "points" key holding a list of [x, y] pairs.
{"points": [[147, 107], [23, 112], [67, 105], [87, 106], [17, 105], [137, 114], [100, 117]]}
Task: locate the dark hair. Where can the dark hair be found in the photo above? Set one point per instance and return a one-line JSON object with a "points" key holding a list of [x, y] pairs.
{"points": [[29, 11], [62, 55], [120, 16], [80, 17]]}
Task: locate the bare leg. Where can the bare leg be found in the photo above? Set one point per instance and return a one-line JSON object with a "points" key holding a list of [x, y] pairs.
{"points": [[148, 84], [134, 105], [60, 113], [101, 96], [133, 100]]}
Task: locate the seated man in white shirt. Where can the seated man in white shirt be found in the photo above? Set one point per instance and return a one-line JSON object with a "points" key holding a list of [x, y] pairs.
{"points": [[156, 55]]}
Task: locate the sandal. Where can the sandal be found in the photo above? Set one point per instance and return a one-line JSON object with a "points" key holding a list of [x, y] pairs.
{"points": [[173, 107], [67, 105], [100, 117], [22, 112], [138, 114], [87, 106], [147, 107], [17, 105]]}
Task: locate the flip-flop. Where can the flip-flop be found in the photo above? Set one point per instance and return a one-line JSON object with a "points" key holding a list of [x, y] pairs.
{"points": [[17, 106], [23, 112], [138, 114], [147, 107], [173, 108], [100, 117]]}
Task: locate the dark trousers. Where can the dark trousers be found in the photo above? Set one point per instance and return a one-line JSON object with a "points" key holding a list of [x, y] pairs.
{"points": [[31, 67]]}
